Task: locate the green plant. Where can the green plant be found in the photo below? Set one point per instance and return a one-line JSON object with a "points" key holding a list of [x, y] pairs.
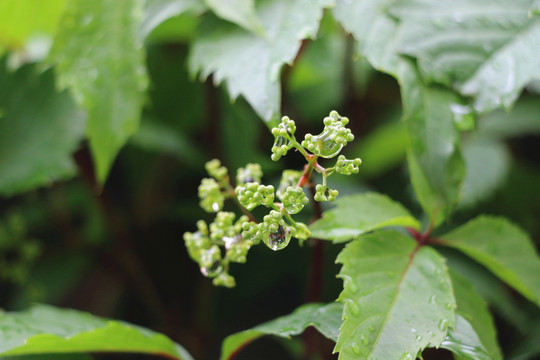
{"points": [[101, 121]]}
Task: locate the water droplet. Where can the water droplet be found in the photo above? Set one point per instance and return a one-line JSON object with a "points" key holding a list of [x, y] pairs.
{"points": [[449, 305], [443, 324], [280, 239], [355, 348], [371, 328], [215, 206], [280, 141], [406, 356], [327, 147], [351, 286], [433, 299], [353, 308], [364, 339], [418, 338]]}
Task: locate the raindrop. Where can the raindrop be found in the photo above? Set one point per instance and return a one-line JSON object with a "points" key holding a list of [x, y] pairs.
{"points": [[327, 146], [433, 299], [280, 239], [449, 305], [418, 338], [364, 339], [355, 348], [354, 308], [215, 206], [406, 356], [443, 324]]}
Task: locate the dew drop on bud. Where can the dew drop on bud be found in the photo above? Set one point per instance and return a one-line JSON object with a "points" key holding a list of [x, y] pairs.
{"points": [[279, 239]]}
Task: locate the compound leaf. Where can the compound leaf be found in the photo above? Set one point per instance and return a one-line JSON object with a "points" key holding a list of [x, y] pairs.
{"points": [[487, 50], [504, 249], [397, 298], [39, 129], [435, 161], [358, 214], [99, 58], [474, 336], [44, 329], [326, 318], [251, 64]]}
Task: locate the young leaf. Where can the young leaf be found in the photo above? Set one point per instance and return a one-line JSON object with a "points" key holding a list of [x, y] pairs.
{"points": [[398, 298], [373, 29], [44, 329], [240, 12], [326, 318], [358, 214], [39, 129], [488, 50], [435, 162], [474, 336], [98, 56], [250, 64], [504, 249]]}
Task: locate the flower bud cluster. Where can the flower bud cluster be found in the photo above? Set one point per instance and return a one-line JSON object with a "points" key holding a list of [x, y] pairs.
{"points": [[205, 246], [347, 167], [323, 193], [283, 138]]}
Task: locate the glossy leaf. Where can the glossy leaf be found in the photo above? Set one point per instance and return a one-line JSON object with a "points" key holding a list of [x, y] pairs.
{"points": [[240, 12], [474, 336], [44, 329], [487, 50], [398, 298], [158, 11], [504, 249], [435, 161], [373, 29], [358, 214], [39, 130], [249, 64], [99, 58], [326, 318], [487, 163]]}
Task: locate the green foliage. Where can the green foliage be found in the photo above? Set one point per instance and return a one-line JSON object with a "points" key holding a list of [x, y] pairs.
{"points": [[44, 329], [108, 82], [325, 318], [504, 249], [50, 124], [97, 90], [398, 298], [359, 214]]}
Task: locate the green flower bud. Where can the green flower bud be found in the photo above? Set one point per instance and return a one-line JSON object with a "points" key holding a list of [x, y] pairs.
{"points": [[246, 195], [265, 195], [283, 134], [288, 178], [251, 173], [251, 232], [323, 193], [222, 226], [332, 139], [214, 169], [196, 243], [302, 231], [224, 279], [237, 249], [210, 194], [347, 167], [294, 199]]}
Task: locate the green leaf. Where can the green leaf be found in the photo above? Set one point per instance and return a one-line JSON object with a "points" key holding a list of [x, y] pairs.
{"points": [[487, 50], [474, 336], [487, 163], [39, 129], [326, 318], [19, 23], [250, 64], [158, 11], [522, 120], [357, 214], [98, 56], [44, 329], [373, 29], [398, 298], [504, 249], [48, 357], [240, 12], [435, 162]]}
